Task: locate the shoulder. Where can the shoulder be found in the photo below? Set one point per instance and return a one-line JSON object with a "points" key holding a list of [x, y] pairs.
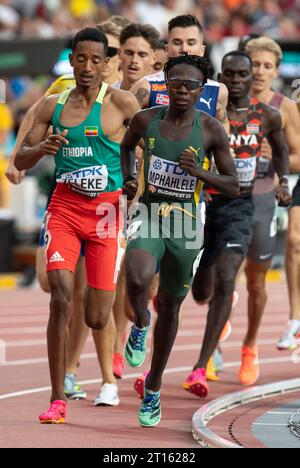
{"points": [[122, 99], [47, 106], [142, 119], [209, 123], [272, 114], [289, 109]]}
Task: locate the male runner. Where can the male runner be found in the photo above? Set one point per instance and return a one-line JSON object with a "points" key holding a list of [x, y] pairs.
{"points": [[229, 221], [266, 56], [85, 205], [177, 138]]}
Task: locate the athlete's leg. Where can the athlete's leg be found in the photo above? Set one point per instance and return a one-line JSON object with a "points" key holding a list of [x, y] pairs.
{"points": [[78, 331], [98, 307], [293, 262], [104, 342], [119, 314], [256, 282], [227, 266], [164, 336], [41, 271], [61, 285], [203, 284], [140, 271]]}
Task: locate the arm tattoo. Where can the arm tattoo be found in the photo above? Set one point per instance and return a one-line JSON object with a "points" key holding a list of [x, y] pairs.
{"points": [[141, 95]]}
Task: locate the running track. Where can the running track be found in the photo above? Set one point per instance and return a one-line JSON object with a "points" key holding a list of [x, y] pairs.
{"points": [[24, 381]]}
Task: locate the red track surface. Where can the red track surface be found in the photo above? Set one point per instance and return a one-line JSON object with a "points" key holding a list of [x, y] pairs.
{"points": [[23, 319]]}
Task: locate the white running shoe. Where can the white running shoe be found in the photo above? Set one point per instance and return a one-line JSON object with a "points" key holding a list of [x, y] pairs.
{"points": [[108, 396], [288, 340]]}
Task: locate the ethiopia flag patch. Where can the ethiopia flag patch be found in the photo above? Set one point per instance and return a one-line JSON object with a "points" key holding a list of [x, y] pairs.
{"points": [[91, 131]]}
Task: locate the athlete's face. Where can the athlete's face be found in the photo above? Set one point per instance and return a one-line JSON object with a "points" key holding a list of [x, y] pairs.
{"points": [[265, 70], [185, 41], [184, 84], [237, 76], [137, 59], [112, 67], [88, 61], [161, 58]]}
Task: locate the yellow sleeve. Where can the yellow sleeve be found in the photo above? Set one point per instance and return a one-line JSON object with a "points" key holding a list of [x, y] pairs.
{"points": [[6, 119]]}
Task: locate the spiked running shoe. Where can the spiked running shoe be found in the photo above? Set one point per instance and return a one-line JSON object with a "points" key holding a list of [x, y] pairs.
{"points": [[118, 365], [56, 413], [218, 360], [196, 383], [139, 384], [72, 389], [249, 370], [211, 371], [150, 410], [135, 350], [290, 336]]}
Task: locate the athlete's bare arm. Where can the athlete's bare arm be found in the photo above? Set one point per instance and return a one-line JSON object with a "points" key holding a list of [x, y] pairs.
{"points": [[221, 113], [216, 141], [13, 175], [35, 146], [142, 90], [280, 152], [291, 126], [136, 131], [127, 103]]}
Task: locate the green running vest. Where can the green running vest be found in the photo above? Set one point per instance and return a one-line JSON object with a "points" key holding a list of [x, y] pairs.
{"points": [[164, 181], [90, 163]]}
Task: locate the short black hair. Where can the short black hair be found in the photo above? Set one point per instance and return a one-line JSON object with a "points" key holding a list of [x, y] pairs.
{"points": [[146, 31], [90, 34], [201, 63], [245, 39], [161, 45], [237, 53], [185, 21]]}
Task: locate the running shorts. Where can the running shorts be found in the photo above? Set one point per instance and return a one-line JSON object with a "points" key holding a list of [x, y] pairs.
{"points": [[228, 227], [263, 242], [177, 251], [73, 218]]}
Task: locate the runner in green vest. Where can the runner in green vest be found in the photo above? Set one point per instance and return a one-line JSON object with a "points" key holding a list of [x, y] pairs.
{"points": [[166, 226], [88, 123]]}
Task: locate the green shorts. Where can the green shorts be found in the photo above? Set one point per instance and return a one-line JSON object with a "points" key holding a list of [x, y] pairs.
{"points": [[175, 241]]}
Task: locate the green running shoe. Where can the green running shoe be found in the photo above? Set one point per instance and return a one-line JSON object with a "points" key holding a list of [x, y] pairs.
{"points": [[72, 389], [150, 411], [135, 350]]}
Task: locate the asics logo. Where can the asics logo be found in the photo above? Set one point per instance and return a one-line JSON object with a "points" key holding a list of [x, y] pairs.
{"points": [[206, 102]]}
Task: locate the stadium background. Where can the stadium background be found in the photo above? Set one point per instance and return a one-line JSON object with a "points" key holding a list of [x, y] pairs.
{"points": [[34, 40]]}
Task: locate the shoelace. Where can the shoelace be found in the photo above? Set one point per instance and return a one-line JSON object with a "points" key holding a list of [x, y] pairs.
{"points": [[138, 338], [149, 403]]}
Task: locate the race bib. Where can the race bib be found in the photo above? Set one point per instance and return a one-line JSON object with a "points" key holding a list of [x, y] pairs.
{"points": [[263, 167], [89, 181], [246, 169], [167, 179]]}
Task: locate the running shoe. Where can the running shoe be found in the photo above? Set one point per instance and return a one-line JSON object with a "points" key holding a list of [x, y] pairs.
{"points": [[139, 384], [218, 360], [289, 339], [196, 383], [56, 413], [150, 410], [249, 370], [72, 389], [118, 365], [108, 396], [135, 349], [211, 371]]}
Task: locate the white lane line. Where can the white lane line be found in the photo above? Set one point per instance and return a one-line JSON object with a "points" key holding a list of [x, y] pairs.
{"points": [[132, 376], [268, 424], [280, 412], [2, 352]]}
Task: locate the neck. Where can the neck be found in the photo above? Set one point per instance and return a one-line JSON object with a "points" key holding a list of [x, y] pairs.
{"points": [[86, 94], [239, 103], [180, 117], [127, 84], [263, 96]]}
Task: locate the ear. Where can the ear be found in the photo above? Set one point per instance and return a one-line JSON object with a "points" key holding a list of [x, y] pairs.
{"points": [[203, 50]]}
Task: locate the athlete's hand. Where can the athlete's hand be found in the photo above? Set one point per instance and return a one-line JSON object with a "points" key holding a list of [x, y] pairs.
{"points": [[283, 195], [13, 175], [53, 143], [188, 163], [130, 189]]}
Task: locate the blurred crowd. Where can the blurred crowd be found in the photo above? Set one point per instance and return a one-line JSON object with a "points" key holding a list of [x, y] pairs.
{"points": [[221, 18]]}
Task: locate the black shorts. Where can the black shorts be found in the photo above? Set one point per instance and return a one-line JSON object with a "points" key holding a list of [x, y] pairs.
{"points": [[228, 227], [263, 242], [296, 195]]}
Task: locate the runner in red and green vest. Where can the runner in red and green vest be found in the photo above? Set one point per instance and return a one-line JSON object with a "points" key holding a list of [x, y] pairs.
{"points": [[88, 124], [177, 138]]}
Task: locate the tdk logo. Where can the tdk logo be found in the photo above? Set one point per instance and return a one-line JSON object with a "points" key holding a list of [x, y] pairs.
{"points": [[85, 173], [245, 164], [173, 168]]}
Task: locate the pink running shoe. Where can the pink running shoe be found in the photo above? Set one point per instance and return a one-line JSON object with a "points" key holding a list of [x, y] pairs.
{"points": [[139, 385], [56, 413], [196, 383], [118, 365]]}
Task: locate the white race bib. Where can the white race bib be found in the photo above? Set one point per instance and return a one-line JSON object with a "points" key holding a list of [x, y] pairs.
{"points": [[246, 169], [167, 179], [89, 181]]}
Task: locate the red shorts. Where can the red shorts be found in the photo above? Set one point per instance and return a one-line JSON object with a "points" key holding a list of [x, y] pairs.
{"points": [[73, 218]]}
